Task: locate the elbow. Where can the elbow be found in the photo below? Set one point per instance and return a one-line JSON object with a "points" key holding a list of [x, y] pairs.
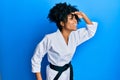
{"points": [[92, 34]]}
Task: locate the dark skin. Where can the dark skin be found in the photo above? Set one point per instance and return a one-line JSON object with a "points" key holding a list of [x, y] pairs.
{"points": [[71, 24], [68, 27]]}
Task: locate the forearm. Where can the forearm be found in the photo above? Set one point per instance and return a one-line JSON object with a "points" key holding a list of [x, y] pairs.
{"points": [[38, 76], [86, 19]]}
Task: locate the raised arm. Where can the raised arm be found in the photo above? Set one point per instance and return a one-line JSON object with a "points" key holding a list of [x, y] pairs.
{"points": [[85, 33]]}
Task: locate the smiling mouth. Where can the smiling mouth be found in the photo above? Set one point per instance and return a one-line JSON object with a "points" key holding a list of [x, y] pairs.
{"points": [[74, 25]]}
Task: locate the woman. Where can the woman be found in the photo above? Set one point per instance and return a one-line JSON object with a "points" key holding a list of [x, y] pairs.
{"points": [[60, 45]]}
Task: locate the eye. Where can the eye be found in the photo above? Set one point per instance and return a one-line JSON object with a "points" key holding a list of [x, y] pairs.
{"points": [[71, 16]]}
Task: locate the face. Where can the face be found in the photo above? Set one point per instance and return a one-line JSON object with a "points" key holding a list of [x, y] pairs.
{"points": [[71, 23]]}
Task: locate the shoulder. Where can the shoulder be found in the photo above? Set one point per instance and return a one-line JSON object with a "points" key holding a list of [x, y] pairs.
{"points": [[51, 35]]}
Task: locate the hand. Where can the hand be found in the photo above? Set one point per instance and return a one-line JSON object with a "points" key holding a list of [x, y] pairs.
{"points": [[79, 14], [83, 16], [39, 79]]}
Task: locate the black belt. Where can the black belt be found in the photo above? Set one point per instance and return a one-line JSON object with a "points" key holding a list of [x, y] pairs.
{"points": [[62, 69]]}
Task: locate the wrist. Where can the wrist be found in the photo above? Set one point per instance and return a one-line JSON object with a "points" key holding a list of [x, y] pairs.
{"points": [[83, 15]]}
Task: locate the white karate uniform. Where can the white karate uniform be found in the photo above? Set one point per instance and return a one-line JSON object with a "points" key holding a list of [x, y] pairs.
{"points": [[58, 52]]}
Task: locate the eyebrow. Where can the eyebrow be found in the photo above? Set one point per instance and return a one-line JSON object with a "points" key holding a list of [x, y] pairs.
{"points": [[71, 15]]}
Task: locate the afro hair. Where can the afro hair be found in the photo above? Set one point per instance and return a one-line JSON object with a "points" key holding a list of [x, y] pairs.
{"points": [[59, 13]]}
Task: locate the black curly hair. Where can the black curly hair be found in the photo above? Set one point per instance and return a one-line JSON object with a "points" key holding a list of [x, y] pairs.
{"points": [[59, 13]]}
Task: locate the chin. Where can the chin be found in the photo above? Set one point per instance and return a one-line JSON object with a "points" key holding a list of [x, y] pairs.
{"points": [[74, 29]]}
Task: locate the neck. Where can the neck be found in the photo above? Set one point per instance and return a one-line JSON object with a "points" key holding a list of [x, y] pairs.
{"points": [[66, 35]]}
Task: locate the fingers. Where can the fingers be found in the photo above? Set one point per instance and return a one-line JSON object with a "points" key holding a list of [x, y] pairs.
{"points": [[79, 14]]}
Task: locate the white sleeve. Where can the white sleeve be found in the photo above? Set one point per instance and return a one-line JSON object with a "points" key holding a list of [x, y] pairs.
{"points": [[83, 34], [39, 53]]}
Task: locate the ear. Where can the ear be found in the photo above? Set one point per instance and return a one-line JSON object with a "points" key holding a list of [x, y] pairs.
{"points": [[62, 23]]}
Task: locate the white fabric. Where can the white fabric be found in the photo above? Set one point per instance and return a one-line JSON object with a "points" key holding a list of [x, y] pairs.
{"points": [[59, 53]]}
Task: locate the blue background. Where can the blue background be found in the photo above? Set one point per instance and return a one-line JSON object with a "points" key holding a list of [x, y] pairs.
{"points": [[23, 24]]}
